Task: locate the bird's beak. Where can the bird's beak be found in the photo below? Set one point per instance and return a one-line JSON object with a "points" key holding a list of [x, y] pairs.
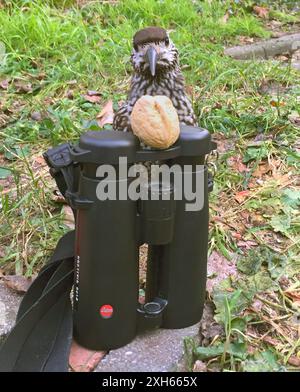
{"points": [[151, 55]]}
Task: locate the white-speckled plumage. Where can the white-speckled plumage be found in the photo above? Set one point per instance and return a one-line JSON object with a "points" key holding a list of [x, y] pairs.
{"points": [[168, 80]]}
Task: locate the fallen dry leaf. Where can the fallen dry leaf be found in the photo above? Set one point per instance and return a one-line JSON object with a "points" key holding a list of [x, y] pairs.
{"points": [[294, 361], [190, 90], [93, 92], [282, 57], [241, 196], [70, 94], [4, 84], [225, 18], [246, 40], [295, 295], [199, 366], [218, 269], [257, 220], [209, 329], [83, 360], [247, 244], [277, 104], [224, 144], [68, 216], [92, 98], [106, 116], [18, 283], [251, 349], [261, 12], [236, 235], [262, 169], [36, 116], [39, 160], [236, 163], [283, 180], [270, 340], [257, 306], [284, 282], [294, 118], [57, 197], [23, 88], [41, 76], [245, 214]]}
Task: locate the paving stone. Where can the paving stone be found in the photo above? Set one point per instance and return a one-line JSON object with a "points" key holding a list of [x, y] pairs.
{"points": [[9, 304], [155, 351]]}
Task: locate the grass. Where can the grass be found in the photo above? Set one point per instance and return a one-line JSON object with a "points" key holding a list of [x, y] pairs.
{"points": [[57, 50]]}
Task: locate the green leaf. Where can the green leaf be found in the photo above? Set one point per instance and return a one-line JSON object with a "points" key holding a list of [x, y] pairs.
{"points": [[265, 361], [14, 152], [236, 301], [261, 256], [281, 223], [251, 263], [261, 282], [4, 172], [276, 264], [255, 153], [47, 125], [189, 345], [238, 350], [91, 125], [204, 353], [239, 323], [291, 198]]}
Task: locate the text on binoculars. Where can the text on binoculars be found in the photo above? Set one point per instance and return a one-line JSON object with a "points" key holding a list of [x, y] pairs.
{"points": [[154, 182]]}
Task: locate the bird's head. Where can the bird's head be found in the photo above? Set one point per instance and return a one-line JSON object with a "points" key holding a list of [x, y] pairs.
{"points": [[153, 52]]}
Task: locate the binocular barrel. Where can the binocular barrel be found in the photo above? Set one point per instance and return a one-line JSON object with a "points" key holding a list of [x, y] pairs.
{"points": [[110, 228], [106, 271], [179, 267]]}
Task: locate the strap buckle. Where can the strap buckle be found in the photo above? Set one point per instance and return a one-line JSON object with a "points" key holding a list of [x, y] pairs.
{"points": [[58, 157], [62, 167]]}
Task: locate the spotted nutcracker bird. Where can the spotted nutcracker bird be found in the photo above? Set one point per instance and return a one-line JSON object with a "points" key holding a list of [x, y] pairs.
{"points": [[156, 67]]}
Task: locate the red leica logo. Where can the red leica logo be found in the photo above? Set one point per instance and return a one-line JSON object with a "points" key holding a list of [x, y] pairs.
{"points": [[106, 311]]}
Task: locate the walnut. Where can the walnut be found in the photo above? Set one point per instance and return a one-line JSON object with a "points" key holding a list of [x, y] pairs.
{"points": [[154, 121]]}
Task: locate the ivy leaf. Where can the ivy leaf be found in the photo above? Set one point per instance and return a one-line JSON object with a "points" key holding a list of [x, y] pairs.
{"points": [[281, 223], [261, 282], [291, 198], [276, 264], [251, 263]]}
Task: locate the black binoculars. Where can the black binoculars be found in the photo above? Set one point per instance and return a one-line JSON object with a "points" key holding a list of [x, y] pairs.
{"points": [[111, 225]]}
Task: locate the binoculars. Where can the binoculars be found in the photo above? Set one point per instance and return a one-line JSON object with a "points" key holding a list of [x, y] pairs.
{"points": [[115, 215]]}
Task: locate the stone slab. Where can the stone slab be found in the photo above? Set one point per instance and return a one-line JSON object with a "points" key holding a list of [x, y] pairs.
{"points": [[9, 304], [156, 351]]}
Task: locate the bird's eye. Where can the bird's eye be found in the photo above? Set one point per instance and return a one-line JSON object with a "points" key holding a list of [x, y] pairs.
{"points": [[167, 41], [135, 47]]}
